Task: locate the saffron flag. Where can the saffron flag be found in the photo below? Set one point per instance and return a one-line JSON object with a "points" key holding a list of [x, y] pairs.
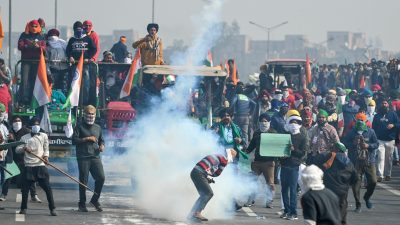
{"points": [[234, 74], [1, 34], [41, 90], [362, 81], [73, 98], [308, 71], [133, 70]]}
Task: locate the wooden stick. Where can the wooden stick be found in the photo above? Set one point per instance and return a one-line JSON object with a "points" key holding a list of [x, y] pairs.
{"points": [[64, 173]]}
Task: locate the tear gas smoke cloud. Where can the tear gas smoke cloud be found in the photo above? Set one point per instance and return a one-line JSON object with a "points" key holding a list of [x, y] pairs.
{"points": [[166, 144]]}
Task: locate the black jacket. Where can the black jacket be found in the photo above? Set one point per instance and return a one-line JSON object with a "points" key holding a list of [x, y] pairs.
{"points": [[301, 146], [340, 175], [77, 45], [120, 51], [255, 145], [87, 149]]}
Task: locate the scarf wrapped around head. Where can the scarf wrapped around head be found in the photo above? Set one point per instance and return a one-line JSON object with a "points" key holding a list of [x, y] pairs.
{"points": [[311, 177], [33, 27], [361, 126]]}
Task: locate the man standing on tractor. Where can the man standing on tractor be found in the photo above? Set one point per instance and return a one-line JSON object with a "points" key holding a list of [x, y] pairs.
{"points": [[151, 47]]}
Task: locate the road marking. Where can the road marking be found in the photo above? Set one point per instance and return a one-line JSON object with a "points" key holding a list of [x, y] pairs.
{"points": [[19, 217], [396, 192], [18, 198], [248, 211]]}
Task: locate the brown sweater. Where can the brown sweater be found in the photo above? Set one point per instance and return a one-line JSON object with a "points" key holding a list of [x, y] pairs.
{"points": [[151, 50]]}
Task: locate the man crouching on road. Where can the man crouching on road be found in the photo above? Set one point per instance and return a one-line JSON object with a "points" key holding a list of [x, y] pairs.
{"points": [[209, 166], [35, 170], [89, 143]]}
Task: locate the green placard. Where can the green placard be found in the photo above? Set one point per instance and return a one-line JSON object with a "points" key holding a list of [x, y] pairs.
{"points": [[275, 145], [13, 168]]}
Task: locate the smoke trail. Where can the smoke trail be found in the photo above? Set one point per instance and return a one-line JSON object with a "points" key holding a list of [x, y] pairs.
{"points": [[166, 144]]}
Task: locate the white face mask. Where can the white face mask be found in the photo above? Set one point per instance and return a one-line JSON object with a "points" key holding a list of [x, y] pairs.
{"points": [[294, 128], [264, 126], [360, 132], [342, 99], [370, 109], [285, 94], [278, 97], [318, 98], [298, 102], [35, 129], [17, 126], [2, 116]]}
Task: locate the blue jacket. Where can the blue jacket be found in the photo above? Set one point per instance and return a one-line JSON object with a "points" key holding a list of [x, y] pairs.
{"points": [[369, 138], [380, 125], [278, 123]]}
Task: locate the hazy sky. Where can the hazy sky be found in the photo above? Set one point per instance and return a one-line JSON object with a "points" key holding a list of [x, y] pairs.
{"points": [[312, 18]]}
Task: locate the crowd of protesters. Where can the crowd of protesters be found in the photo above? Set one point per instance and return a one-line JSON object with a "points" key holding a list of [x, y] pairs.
{"points": [[346, 121]]}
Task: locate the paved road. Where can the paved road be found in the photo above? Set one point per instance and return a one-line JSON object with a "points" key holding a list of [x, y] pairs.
{"points": [[121, 208]]}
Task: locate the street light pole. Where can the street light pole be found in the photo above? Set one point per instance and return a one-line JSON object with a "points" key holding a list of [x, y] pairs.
{"points": [[9, 33], [268, 30], [152, 12], [55, 14]]}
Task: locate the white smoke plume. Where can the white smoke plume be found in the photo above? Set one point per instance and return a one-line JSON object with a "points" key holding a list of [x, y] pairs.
{"points": [[166, 144]]}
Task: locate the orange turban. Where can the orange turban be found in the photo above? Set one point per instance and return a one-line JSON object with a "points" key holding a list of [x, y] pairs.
{"points": [[361, 116]]}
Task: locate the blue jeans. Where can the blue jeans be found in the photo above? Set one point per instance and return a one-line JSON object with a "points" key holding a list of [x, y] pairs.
{"points": [[203, 187], [289, 178]]}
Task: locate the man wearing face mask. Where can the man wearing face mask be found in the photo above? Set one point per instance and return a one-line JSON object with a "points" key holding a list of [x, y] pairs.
{"points": [[30, 43], [77, 44], [262, 164], [35, 169], [278, 120], [89, 143], [17, 131], [323, 136], [367, 96], [88, 29], [55, 53], [287, 97], [290, 165], [385, 124], [202, 175], [350, 109], [363, 144], [371, 110]]}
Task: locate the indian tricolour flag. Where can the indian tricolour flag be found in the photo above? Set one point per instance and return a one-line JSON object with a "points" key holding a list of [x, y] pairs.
{"points": [[41, 90], [209, 60], [133, 70], [73, 98], [42, 93]]}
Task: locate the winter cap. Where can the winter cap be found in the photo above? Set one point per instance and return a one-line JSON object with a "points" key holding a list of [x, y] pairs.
{"points": [[323, 113], [340, 147]]}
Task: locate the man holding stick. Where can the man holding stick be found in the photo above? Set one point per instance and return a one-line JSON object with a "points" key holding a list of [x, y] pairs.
{"points": [[89, 143], [35, 170]]}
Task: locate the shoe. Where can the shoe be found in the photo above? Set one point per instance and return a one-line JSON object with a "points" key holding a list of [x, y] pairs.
{"points": [[249, 204], [280, 212], [3, 198], [368, 203], [198, 216], [97, 206], [387, 178], [22, 211], [268, 205], [53, 212], [292, 217], [194, 219], [284, 215], [357, 210], [379, 179], [36, 199], [82, 208]]}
